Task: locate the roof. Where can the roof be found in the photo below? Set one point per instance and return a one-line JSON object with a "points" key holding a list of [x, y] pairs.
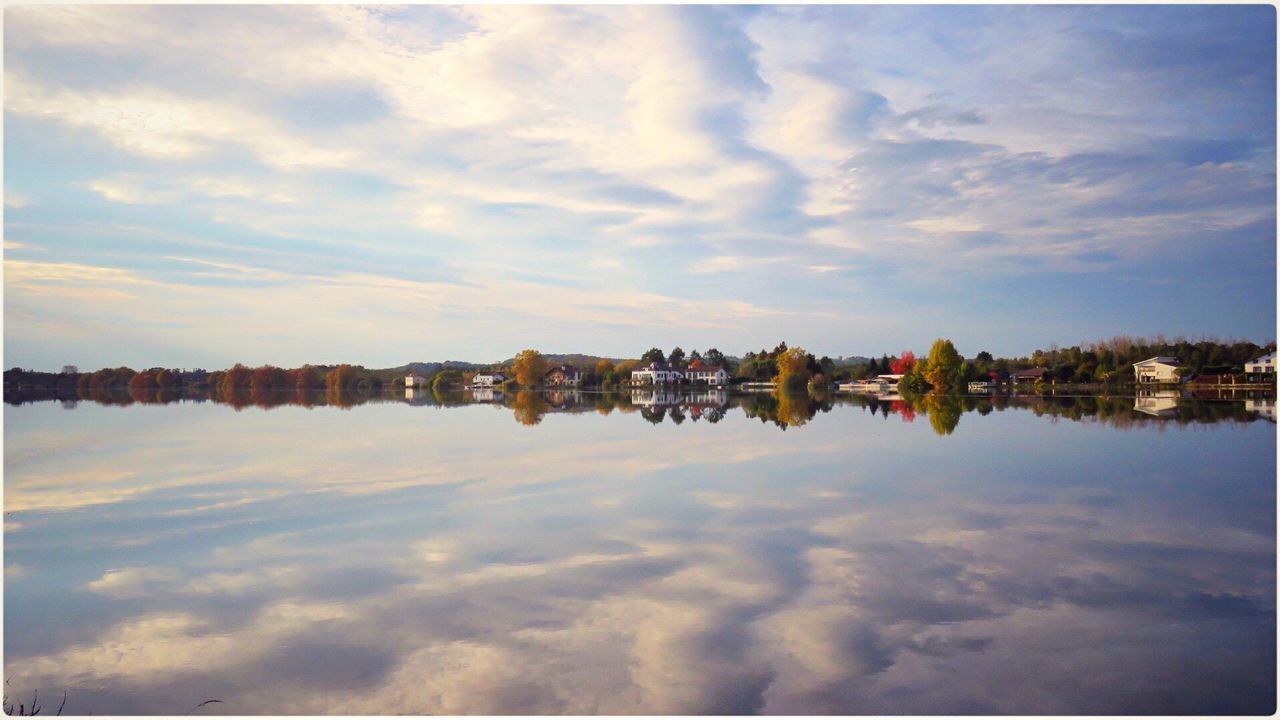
{"points": [[1160, 360], [655, 366], [1032, 373], [566, 369], [1264, 358], [699, 367], [495, 373]]}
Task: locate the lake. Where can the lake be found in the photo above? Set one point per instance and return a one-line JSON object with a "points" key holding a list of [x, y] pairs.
{"points": [[651, 554]]}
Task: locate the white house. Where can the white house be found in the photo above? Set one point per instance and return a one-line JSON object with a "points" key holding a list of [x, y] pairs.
{"points": [[1263, 365], [487, 379], [413, 380], [656, 374], [710, 374], [1157, 370]]}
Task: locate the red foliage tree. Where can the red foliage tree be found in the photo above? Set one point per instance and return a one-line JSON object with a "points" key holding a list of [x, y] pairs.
{"points": [[904, 364]]}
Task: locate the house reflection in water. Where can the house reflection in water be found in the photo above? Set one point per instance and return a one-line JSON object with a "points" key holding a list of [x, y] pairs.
{"points": [[1160, 403], [657, 397], [560, 398], [486, 394], [1263, 407]]}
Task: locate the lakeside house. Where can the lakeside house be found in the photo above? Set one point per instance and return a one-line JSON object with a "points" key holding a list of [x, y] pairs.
{"points": [[1159, 369], [656, 374], [487, 378], [1264, 365], [709, 374], [414, 380], [563, 376], [981, 386], [878, 384], [1034, 375]]}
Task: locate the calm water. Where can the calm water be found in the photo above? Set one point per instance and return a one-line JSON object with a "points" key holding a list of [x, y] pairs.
{"points": [[509, 557]]}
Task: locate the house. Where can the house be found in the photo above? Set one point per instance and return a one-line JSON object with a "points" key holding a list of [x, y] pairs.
{"points": [[1264, 365], [487, 378], [1158, 369], [563, 376], [981, 386], [877, 384], [656, 374], [1034, 375], [709, 374], [414, 380]]}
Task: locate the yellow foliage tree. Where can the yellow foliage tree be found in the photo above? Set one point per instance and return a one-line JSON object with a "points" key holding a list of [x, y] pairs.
{"points": [[793, 368], [529, 367]]}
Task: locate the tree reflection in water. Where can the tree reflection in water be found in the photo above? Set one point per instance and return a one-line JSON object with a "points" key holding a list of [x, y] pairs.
{"points": [[781, 409]]}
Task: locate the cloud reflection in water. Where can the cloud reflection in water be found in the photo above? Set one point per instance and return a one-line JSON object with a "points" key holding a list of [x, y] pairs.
{"points": [[399, 559]]}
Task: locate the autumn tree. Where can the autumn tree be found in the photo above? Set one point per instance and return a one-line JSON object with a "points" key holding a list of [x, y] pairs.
{"points": [[529, 366], [235, 380], [904, 364], [793, 368], [944, 368], [340, 378]]}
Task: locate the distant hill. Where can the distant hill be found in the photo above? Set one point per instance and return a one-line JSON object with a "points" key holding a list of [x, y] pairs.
{"points": [[576, 359]]}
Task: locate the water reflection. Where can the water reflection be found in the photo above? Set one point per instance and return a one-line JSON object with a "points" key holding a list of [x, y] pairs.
{"points": [[394, 560], [779, 409]]}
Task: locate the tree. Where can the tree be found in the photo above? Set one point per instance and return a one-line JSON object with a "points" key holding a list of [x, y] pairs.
{"points": [[529, 367], [604, 369], [793, 368], [904, 364], [676, 357], [715, 358], [944, 368], [235, 380], [339, 378], [652, 355]]}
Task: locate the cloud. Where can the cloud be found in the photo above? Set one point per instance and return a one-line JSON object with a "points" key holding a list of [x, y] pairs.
{"points": [[695, 150]]}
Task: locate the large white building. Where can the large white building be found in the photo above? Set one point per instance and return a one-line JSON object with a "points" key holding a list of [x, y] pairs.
{"points": [[656, 374], [1259, 366], [1157, 370], [710, 374]]}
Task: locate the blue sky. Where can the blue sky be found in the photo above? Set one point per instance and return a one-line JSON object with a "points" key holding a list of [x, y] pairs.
{"points": [[204, 185]]}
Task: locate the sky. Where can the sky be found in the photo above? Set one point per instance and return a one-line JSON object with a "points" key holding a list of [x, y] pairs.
{"points": [[203, 185]]}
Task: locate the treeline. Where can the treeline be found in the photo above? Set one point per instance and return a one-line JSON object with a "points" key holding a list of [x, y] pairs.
{"points": [[1104, 362], [239, 385]]}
